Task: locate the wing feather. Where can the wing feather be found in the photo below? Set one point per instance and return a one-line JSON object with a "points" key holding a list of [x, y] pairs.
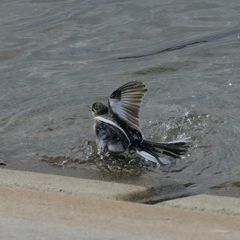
{"points": [[125, 102]]}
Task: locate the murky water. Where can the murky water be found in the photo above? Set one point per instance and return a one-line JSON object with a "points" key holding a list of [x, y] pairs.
{"points": [[57, 57]]}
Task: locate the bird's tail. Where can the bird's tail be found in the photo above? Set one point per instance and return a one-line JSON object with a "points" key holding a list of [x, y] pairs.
{"points": [[150, 150]]}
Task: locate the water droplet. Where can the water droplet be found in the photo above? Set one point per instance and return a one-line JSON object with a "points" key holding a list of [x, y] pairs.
{"points": [[230, 84]]}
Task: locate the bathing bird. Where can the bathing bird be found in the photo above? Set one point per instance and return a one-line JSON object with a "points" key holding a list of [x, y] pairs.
{"points": [[117, 129]]}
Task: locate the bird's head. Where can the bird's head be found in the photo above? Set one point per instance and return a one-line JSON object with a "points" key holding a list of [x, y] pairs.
{"points": [[98, 108]]}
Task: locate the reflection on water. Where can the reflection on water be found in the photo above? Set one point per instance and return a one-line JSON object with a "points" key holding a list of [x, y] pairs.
{"points": [[57, 57]]}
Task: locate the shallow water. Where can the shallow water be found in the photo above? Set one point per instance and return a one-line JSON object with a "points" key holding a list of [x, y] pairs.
{"points": [[57, 57]]}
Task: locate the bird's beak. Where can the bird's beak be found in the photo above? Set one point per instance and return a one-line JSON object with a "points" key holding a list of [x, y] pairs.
{"points": [[89, 108]]}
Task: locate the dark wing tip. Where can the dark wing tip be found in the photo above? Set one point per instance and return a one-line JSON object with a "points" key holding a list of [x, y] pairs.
{"points": [[130, 86], [116, 94]]}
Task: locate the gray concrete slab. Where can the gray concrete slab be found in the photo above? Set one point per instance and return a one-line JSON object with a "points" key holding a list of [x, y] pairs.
{"points": [[44, 206], [31, 214]]}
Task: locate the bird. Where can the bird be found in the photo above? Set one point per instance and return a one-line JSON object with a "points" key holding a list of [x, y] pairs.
{"points": [[117, 128]]}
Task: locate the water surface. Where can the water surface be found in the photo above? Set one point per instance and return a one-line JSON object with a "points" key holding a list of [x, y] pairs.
{"points": [[57, 57]]}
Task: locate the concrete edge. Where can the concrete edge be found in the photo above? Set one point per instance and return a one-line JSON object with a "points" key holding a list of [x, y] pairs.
{"points": [[206, 203], [113, 191], [73, 186], [28, 214]]}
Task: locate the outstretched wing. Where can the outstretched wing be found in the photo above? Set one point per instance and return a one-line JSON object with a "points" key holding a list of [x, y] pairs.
{"points": [[125, 102]]}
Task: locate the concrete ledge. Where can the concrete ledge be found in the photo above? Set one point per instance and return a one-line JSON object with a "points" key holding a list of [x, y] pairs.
{"points": [[28, 214], [207, 203], [33, 206], [73, 186]]}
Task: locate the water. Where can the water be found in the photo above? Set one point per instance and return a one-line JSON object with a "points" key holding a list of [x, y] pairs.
{"points": [[58, 57]]}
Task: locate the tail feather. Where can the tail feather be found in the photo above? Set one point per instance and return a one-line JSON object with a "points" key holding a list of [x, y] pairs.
{"points": [[153, 157], [174, 149], [150, 150]]}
